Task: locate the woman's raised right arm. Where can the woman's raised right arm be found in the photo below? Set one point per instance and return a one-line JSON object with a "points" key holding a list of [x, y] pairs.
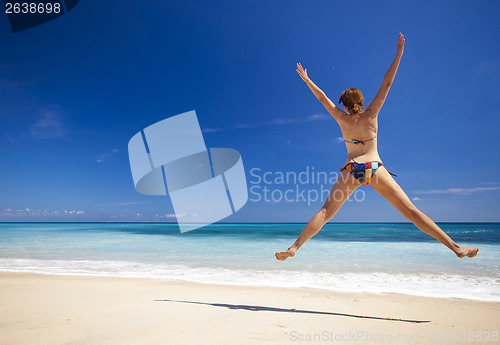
{"points": [[327, 103]]}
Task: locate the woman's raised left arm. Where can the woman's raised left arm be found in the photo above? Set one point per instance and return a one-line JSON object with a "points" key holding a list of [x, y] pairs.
{"points": [[379, 99]]}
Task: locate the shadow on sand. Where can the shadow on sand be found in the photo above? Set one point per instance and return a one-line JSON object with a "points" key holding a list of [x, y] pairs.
{"points": [[282, 310]]}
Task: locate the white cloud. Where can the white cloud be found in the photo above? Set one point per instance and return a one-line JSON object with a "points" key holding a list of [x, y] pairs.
{"points": [[29, 213], [106, 155], [170, 215], [462, 191], [416, 199], [318, 117], [73, 212], [276, 121], [11, 138], [48, 124]]}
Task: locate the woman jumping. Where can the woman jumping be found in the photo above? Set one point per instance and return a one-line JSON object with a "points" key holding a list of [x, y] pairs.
{"points": [[363, 164]]}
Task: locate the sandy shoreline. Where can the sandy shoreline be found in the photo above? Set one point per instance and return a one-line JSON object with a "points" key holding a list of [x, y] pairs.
{"points": [[50, 309]]}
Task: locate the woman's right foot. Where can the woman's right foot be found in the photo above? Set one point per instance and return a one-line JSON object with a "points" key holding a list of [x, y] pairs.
{"points": [[285, 254], [470, 252]]}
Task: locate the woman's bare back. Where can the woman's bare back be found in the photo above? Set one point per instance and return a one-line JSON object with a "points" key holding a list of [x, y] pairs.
{"points": [[360, 131]]}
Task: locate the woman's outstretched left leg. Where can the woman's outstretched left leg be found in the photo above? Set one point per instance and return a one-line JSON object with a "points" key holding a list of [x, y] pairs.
{"points": [[383, 183], [341, 191]]}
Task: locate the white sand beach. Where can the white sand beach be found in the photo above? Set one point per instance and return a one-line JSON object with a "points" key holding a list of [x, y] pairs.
{"points": [[52, 309]]}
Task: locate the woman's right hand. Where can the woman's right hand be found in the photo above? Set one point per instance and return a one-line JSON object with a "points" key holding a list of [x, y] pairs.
{"points": [[401, 45], [302, 72]]}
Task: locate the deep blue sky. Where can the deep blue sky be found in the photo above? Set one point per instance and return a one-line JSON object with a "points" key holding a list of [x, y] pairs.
{"points": [[73, 92]]}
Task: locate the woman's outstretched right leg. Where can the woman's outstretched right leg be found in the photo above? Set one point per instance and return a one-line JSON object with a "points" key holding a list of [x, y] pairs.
{"points": [[345, 185]]}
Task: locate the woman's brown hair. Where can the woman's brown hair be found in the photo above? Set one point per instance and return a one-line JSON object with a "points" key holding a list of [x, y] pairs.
{"points": [[353, 100]]}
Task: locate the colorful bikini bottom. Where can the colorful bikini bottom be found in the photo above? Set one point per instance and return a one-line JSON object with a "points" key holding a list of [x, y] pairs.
{"points": [[363, 171]]}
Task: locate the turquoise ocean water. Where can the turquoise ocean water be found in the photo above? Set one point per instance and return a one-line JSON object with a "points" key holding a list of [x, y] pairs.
{"points": [[355, 257]]}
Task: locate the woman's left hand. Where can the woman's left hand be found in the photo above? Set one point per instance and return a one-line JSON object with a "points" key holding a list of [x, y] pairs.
{"points": [[401, 45], [302, 72]]}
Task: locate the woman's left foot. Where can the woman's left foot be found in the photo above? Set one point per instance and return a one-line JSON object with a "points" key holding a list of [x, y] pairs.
{"points": [[470, 252], [285, 254]]}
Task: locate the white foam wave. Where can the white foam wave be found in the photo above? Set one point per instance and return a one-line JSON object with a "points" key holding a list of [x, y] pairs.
{"points": [[445, 286]]}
